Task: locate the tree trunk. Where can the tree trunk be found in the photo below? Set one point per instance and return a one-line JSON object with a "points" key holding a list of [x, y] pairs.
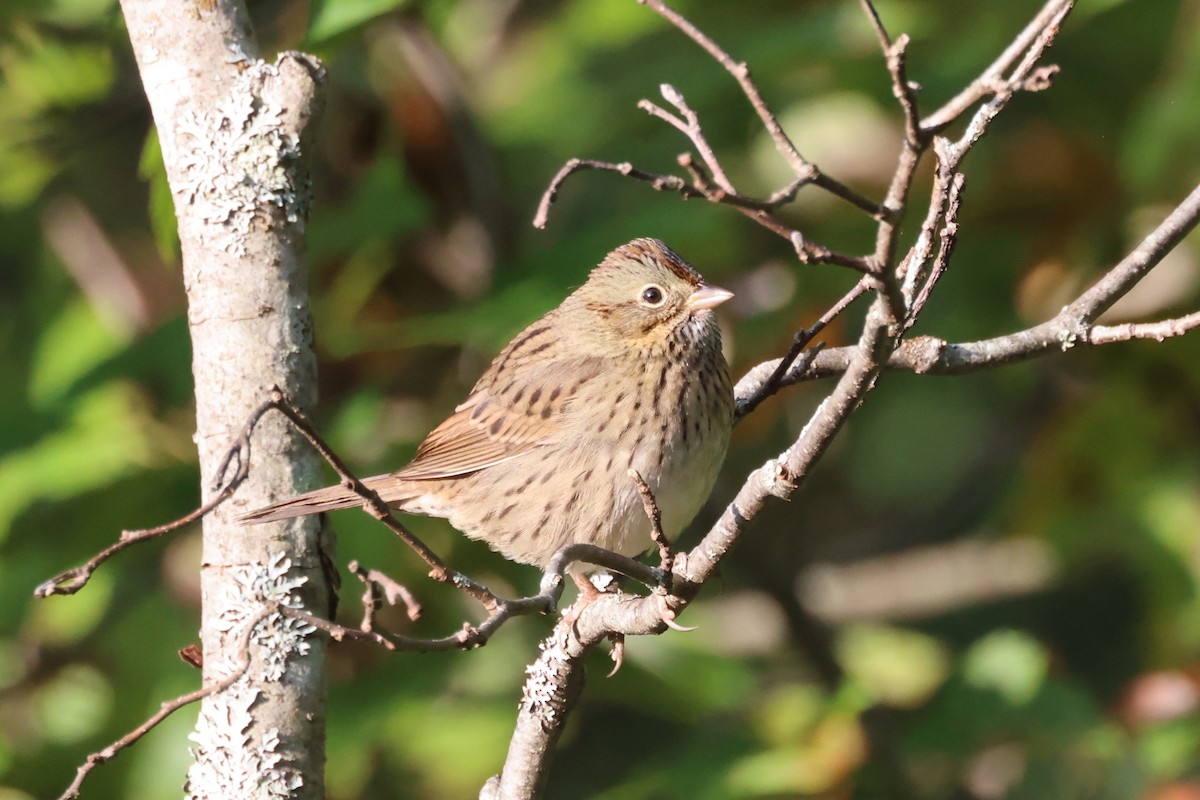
{"points": [[230, 128]]}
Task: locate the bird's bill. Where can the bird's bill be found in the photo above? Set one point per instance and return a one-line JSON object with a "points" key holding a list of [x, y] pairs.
{"points": [[708, 297]]}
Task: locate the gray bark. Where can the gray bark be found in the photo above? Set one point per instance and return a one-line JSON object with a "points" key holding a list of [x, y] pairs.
{"points": [[230, 128]]}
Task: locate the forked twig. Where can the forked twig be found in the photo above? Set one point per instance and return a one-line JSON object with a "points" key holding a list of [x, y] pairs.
{"points": [[1051, 13], [394, 593]]}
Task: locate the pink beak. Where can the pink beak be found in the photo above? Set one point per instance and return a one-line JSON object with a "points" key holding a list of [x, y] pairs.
{"points": [[708, 297]]}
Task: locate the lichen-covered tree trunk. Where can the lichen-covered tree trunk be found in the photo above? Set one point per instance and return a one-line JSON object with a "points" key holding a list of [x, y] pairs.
{"points": [[230, 126]]}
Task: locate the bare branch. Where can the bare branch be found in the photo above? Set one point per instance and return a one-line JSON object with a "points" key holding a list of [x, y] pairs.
{"points": [[947, 238], [1143, 258], [1070, 327], [1158, 331], [1050, 15], [885, 41], [166, 709], [374, 505], [650, 504], [592, 554], [1025, 75], [553, 684], [757, 210], [661, 183], [904, 91], [690, 127], [394, 593], [72, 580], [801, 167], [744, 405], [741, 72]]}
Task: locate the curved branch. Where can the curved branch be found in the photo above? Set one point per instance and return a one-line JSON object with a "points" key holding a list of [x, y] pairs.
{"points": [[1071, 327]]}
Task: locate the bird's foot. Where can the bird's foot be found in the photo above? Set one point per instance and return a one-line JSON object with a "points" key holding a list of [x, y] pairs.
{"points": [[588, 592]]}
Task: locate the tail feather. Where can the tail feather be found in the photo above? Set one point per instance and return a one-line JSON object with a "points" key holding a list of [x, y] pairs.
{"points": [[331, 498]]}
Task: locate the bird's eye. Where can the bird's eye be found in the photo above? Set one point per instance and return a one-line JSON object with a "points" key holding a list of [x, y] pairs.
{"points": [[652, 295]]}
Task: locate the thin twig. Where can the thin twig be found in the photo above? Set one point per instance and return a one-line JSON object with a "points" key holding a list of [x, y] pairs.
{"points": [[1143, 258], [912, 149], [661, 183], [374, 505], [72, 580], [947, 239], [885, 41], [689, 125], [991, 77], [1025, 76], [472, 636], [801, 167], [741, 72], [169, 707], [904, 92], [799, 342], [1158, 331], [666, 561], [394, 593], [666, 555]]}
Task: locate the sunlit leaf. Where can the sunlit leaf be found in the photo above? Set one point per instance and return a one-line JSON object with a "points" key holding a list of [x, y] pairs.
{"points": [[895, 666], [162, 204], [73, 704], [43, 73], [1009, 662], [72, 344], [332, 17], [101, 442]]}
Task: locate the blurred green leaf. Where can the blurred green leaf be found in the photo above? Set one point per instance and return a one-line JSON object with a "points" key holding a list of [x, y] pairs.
{"points": [[73, 344], [43, 74], [1009, 662], [24, 171], [897, 667], [789, 711], [333, 17], [1171, 749], [73, 704], [833, 748], [77, 13], [101, 442], [162, 205]]}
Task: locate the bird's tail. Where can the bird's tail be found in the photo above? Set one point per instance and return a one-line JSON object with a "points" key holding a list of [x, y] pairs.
{"points": [[331, 498]]}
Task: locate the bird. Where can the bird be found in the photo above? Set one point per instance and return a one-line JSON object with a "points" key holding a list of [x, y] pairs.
{"points": [[627, 373]]}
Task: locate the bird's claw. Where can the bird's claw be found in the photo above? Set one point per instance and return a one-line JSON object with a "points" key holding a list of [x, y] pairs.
{"points": [[667, 615], [617, 654]]}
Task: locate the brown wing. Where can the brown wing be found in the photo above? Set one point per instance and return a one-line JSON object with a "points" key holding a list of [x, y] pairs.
{"points": [[510, 412]]}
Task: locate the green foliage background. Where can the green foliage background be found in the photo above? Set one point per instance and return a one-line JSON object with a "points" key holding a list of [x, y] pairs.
{"points": [[424, 262]]}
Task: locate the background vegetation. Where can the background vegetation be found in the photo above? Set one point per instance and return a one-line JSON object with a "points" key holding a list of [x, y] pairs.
{"points": [[1075, 477]]}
